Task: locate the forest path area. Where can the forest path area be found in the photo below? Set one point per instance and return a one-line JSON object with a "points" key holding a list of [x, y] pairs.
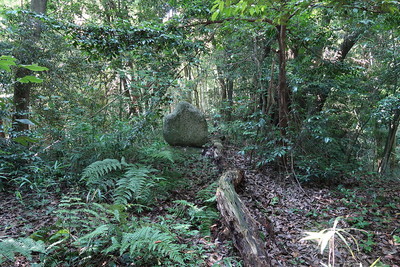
{"points": [[369, 211]]}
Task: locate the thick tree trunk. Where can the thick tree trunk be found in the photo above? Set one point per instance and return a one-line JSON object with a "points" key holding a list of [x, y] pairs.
{"points": [[22, 91], [238, 220], [39, 6], [283, 92]]}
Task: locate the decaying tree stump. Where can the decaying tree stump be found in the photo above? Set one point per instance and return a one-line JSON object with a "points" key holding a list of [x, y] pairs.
{"points": [[238, 220]]}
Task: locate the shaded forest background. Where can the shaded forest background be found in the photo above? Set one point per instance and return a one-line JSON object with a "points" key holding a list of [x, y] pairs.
{"points": [[307, 88]]}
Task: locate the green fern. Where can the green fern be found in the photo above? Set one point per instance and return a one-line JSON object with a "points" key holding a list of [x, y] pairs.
{"points": [[204, 216], [24, 246], [75, 214], [101, 168], [157, 153], [135, 185], [150, 243], [146, 243], [163, 155], [94, 240]]}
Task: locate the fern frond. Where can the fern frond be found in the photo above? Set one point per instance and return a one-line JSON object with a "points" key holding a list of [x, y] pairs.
{"points": [[115, 246], [149, 242], [134, 185], [99, 231], [204, 216], [23, 246], [163, 155], [192, 208], [101, 168]]}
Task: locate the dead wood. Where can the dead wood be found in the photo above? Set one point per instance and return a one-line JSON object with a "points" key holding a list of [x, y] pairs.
{"points": [[237, 218]]}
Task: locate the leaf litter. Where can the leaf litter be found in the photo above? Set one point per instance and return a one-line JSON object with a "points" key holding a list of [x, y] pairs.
{"points": [[284, 210]]}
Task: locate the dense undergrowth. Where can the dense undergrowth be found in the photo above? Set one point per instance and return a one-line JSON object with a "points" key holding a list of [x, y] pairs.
{"points": [[131, 201], [119, 200]]}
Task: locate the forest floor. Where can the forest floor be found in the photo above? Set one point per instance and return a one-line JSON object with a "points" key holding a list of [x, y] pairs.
{"points": [[369, 210]]}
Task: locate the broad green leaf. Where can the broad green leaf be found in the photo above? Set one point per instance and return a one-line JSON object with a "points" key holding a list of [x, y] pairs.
{"points": [[215, 15], [6, 62], [34, 67], [30, 79], [25, 140], [7, 58], [221, 5]]}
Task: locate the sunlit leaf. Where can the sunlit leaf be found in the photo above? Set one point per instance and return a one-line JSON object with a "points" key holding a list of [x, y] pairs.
{"points": [[34, 67], [6, 62], [30, 79]]}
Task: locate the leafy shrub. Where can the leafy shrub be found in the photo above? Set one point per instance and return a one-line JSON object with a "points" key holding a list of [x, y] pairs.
{"points": [[22, 168]]}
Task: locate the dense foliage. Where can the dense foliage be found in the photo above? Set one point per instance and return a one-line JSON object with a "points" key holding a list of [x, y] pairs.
{"points": [[308, 88]]}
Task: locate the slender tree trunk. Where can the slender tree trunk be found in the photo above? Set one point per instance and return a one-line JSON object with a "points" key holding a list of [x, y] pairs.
{"points": [[271, 87], [390, 142], [226, 94], [188, 75], [259, 56], [229, 91]]}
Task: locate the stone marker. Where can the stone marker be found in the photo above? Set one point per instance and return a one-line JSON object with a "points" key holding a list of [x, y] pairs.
{"points": [[185, 126]]}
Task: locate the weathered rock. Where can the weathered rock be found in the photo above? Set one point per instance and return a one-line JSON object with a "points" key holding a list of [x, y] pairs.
{"points": [[186, 126]]}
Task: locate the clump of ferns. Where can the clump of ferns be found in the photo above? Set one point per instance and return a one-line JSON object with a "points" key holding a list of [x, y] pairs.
{"points": [[202, 217], [102, 233], [124, 182]]}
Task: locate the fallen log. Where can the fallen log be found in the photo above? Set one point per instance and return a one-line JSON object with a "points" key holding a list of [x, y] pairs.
{"points": [[237, 218]]}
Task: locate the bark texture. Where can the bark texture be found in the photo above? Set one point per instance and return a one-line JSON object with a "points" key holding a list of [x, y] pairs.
{"points": [[237, 218]]}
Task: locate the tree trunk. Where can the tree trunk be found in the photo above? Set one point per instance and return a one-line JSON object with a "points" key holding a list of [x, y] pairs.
{"points": [[21, 99], [283, 92], [22, 91], [238, 220], [229, 91], [348, 43], [39, 6], [270, 93], [390, 142]]}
